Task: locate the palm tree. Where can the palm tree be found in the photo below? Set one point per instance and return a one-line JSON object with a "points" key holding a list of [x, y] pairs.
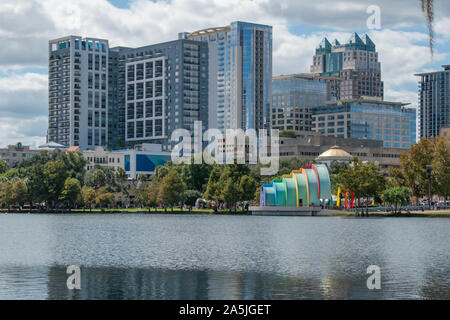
{"points": [[428, 11]]}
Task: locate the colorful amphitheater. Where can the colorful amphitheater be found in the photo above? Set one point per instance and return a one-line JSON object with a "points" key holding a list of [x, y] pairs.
{"points": [[307, 187]]}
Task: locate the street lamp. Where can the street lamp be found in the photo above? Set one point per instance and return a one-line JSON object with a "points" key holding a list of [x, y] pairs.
{"points": [[429, 169]]}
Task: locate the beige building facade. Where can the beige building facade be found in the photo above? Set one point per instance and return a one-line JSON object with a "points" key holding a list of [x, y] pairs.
{"points": [[13, 154]]}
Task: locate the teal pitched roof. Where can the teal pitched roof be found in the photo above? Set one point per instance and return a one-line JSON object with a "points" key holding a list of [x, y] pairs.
{"points": [[324, 44], [336, 42], [355, 39], [368, 42]]}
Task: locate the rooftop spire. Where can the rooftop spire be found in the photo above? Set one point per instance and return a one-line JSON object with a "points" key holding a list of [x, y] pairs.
{"points": [[355, 39]]}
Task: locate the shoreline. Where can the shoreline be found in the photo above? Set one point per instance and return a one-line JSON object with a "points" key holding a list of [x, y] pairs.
{"points": [[327, 213]]}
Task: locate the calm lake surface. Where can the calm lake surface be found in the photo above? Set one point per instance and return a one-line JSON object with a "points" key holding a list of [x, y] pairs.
{"points": [[222, 257]]}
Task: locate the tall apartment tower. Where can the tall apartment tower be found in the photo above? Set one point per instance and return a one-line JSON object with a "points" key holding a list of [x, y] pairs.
{"points": [[161, 88], [240, 74], [434, 102], [356, 62], [78, 91], [101, 96]]}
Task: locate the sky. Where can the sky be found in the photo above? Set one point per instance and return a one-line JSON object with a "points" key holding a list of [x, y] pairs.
{"points": [[26, 26]]}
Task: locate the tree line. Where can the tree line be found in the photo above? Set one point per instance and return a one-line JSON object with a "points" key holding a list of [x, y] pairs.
{"points": [[53, 180], [60, 180], [400, 185], [57, 180], [223, 185]]}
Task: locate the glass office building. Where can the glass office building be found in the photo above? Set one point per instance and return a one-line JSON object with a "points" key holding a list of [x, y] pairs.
{"points": [[294, 96], [390, 122], [240, 74]]}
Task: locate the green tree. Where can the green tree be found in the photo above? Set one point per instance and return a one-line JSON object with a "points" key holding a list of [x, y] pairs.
{"points": [[76, 165], [247, 187], [103, 197], [190, 197], [96, 178], [6, 194], [364, 179], [122, 184], [349, 177], [413, 173], [196, 176], [162, 171], [19, 193], [372, 182], [213, 187], [288, 134], [256, 196], [413, 166], [230, 194], [3, 166], [141, 178], [142, 194], [54, 174], [397, 197], [171, 190], [441, 165], [88, 197], [36, 188], [71, 192], [153, 191]]}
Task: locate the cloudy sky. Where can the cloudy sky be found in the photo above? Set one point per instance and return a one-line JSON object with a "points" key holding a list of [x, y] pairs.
{"points": [[298, 27]]}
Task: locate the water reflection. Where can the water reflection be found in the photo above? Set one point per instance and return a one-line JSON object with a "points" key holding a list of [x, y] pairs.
{"points": [[151, 283], [213, 257]]}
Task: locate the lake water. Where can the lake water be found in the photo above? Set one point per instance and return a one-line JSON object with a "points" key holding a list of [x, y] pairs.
{"points": [[223, 257]]}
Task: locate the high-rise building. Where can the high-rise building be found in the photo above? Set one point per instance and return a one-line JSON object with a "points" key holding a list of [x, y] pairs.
{"points": [[162, 87], [391, 122], [434, 101], [120, 96], [356, 62], [240, 74], [294, 96], [78, 91]]}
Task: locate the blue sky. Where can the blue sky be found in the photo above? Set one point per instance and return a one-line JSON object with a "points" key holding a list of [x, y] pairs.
{"points": [[298, 27], [120, 3]]}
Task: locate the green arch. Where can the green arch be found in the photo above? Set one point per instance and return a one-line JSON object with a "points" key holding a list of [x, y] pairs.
{"points": [[291, 192], [302, 190], [269, 191], [304, 187], [313, 188], [325, 185], [280, 192]]}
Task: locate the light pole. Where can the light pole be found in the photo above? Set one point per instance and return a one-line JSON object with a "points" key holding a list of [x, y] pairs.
{"points": [[429, 169]]}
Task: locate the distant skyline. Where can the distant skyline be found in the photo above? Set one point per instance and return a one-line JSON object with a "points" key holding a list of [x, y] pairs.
{"points": [[298, 27]]}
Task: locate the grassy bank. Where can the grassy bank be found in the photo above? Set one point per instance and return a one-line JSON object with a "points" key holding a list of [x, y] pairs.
{"points": [[331, 213], [128, 211]]}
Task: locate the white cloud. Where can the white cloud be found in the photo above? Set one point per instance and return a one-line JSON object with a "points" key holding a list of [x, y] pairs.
{"points": [[442, 26], [23, 96], [27, 81], [28, 131]]}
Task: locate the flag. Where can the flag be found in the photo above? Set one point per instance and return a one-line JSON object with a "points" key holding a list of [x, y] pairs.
{"points": [[346, 199], [353, 199], [338, 197]]}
